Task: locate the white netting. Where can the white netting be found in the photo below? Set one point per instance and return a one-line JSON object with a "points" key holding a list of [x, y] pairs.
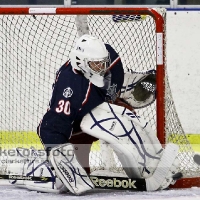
{"points": [[33, 47]]}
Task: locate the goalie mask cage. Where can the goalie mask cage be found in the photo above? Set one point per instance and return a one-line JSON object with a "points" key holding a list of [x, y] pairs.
{"points": [[35, 42]]}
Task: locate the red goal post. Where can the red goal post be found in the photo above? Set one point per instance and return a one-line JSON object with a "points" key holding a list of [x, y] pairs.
{"points": [[37, 38]]}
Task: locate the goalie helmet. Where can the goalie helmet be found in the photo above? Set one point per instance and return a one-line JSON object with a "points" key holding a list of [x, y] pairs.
{"points": [[91, 57]]}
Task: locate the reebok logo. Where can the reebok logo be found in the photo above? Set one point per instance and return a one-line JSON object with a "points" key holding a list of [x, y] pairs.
{"points": [[66, 173], [113, 182]]}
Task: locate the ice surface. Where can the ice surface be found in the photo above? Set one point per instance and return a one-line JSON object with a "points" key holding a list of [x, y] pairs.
{"points": [[9, 192]]}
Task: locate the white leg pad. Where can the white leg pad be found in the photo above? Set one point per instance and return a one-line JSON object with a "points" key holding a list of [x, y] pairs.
{"points": [[30, 162], [38, 166], [48, 187], [129, 135], [69, 170], [12, 162], [167, 167], [43, 169]]}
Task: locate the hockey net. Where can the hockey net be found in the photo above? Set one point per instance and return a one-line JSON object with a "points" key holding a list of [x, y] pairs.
{"points": [[35, 42]]}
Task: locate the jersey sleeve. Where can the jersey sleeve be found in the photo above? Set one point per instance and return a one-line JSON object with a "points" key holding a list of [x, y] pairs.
{"points": [[68, 95]]}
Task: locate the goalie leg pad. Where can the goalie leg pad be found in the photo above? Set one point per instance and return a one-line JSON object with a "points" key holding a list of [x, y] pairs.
{"points": [[31, 163], [13, 164], [129, 136], [38, 166], [167, 167], [44, 169], [69, 170]]}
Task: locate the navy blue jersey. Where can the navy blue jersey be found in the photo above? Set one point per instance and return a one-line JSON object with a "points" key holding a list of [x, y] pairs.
{"points": [[74, 96]]}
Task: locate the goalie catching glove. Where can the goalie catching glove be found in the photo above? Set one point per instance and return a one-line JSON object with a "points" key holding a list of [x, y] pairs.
{"points": [[139, 88]]}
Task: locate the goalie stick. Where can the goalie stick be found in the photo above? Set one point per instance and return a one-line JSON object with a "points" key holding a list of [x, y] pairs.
{"points": [[100, 182]]}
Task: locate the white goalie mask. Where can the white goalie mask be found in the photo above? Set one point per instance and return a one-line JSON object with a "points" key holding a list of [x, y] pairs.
{"points": [[91, 57]]}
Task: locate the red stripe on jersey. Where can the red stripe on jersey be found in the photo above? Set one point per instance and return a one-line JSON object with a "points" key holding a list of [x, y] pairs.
{"points": [[75, 70], [57, 76], [114, 63], [87, 95], [66, 64]]}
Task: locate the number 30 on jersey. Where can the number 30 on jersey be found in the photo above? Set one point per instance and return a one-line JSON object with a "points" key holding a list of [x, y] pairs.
{"points": [[63, 106]]}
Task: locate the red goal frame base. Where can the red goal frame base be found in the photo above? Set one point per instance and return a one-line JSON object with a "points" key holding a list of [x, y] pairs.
{"points": [[187, 183]]}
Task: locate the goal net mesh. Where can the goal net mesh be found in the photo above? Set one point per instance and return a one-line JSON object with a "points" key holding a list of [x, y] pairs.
{"points": [[33, 47]]}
